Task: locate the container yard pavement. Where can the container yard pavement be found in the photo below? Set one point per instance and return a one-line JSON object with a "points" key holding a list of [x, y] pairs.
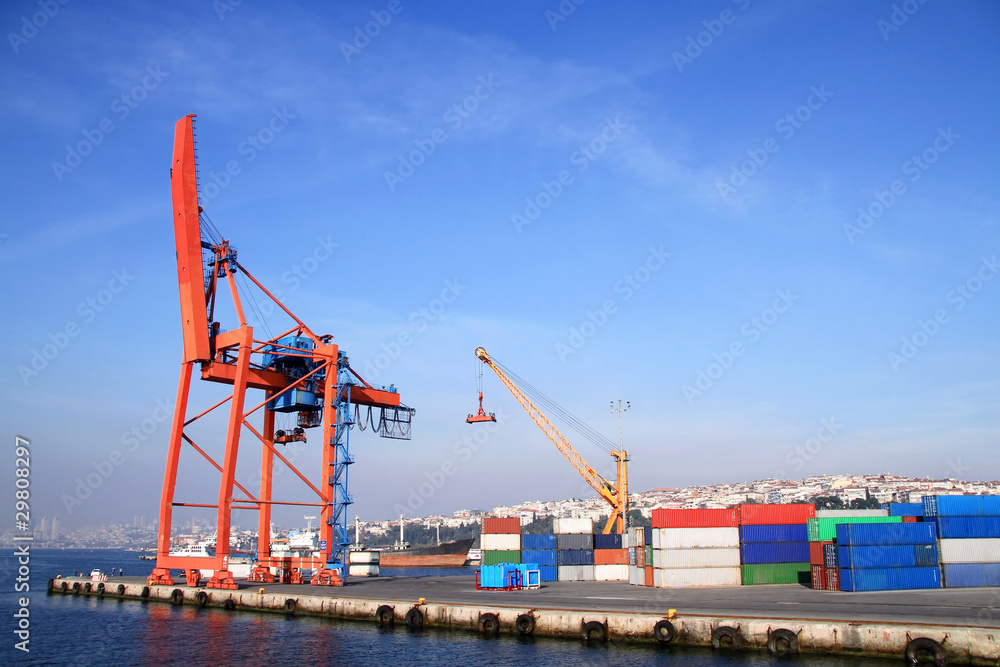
{"points": [[978, 607]]}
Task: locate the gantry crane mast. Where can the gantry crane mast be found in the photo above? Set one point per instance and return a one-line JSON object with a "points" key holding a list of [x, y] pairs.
{"points": [[298, 371], [615, 494]]}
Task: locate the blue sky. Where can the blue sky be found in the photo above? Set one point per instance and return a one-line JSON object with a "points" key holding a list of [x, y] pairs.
{"points": [[655, 203]]}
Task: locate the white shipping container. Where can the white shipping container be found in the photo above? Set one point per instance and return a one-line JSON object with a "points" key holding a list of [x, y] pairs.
{"points": [[576, 573], [363, 570], [362, 557], [850, 513], [697, 577], [970, 550], [636, 576], [572, 526], [500, 542], [639, 537], [611, 573], [695, 538], [684, 558]]}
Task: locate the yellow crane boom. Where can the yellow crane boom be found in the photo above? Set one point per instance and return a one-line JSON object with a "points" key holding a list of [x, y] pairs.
{"points": [[615, 494]]}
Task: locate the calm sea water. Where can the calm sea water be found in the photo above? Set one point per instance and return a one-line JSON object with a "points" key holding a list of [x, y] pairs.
{"points": [[91, 631]]}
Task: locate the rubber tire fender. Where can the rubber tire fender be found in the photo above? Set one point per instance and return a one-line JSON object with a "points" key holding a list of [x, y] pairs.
{"points": [[202, 598], [591, 627], [735, 638], [385, 616], [177, 596], [121, 589], [525, 624], [916, 646], [88, 587], [229, 605], [489, 624], [775, 636], [51, 585], [64, 586], [290, 606], [145, 593], [414, 619], [76, 588], [664, 631], [100, 589]]}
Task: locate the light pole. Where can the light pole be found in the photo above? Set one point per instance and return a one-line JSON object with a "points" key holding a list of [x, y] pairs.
{"points": [[622, 477], [619, 410]]}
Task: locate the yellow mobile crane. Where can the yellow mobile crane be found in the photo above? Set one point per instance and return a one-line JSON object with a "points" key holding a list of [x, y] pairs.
{"points": [[615, 494]]}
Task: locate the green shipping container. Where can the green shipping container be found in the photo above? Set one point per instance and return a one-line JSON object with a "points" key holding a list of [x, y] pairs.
{"points": [[825, 528], [775, 573], [497, 557], [649, 555]]}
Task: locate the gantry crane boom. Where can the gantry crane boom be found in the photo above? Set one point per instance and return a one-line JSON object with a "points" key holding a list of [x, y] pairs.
{"points": [[615, 495]]}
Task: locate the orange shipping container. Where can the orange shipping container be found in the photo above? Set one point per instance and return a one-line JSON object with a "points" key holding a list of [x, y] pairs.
{"points": [[648, 575], [496, 525], [610, 556]]}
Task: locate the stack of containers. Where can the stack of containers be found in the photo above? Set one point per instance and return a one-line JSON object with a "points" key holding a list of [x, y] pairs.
{"points": [[969, 528], [647, 556], [774, 543], [637, 557], [611, 561], [501, 541], [541, 549], [575, 549], [886, 557], [695, 548], [823, 546]]}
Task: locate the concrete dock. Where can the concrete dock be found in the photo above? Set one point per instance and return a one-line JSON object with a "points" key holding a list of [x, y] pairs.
{"points": [[960, 626]]}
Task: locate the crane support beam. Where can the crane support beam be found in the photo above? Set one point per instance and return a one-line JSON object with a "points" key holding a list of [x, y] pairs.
{"points": [[187, 236], [615, 495]]}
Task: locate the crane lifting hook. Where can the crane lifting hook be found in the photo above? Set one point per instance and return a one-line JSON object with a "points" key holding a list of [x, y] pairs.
{"points": [[480, 416]]}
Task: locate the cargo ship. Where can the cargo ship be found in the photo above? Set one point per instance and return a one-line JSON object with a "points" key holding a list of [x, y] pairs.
{"points": [[449, 554]]}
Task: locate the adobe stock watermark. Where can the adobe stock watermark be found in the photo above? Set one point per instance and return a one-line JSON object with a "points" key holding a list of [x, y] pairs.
{"points": [[798, 456], [59, 340], [122, 106], [704, 39], [454, 115], [363, 35], [293, 278], [419, 321], [786, 126], [463, 450], [899, 16], [752, 330], [223, 7], [927, 329], [30, 26], [563, 11], [630, 284], [253, 145], [581, 158], [104, 468], [914, 168]]}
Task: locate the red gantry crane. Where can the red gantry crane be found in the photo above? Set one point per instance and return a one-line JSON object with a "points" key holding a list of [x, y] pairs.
{"points": [[615, 494], [297, 372]]}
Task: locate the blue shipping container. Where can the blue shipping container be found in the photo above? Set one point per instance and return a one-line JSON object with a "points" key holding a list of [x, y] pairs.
{"points": [[612, 541], [497, 576], [962, 506], [830, 556], [647, 534], [920, 555], [575, 557], [798, 532], [542, 557], [890, 579], [538, 541], [549, 572], [904, 509], [774, 552], [884, 534], [966, 527], [967, 575]]}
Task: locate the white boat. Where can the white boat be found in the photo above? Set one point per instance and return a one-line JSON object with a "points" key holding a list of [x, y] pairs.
{"points": [[199, 550]]}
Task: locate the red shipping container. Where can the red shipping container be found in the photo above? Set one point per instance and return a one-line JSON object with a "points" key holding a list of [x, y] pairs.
{"points": [[649, 575], [611, 556], [771, 515], [666, 518], [832, 579], [816, 553], [640, 556], [911, 519], [497, 526], [818, 577]]}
